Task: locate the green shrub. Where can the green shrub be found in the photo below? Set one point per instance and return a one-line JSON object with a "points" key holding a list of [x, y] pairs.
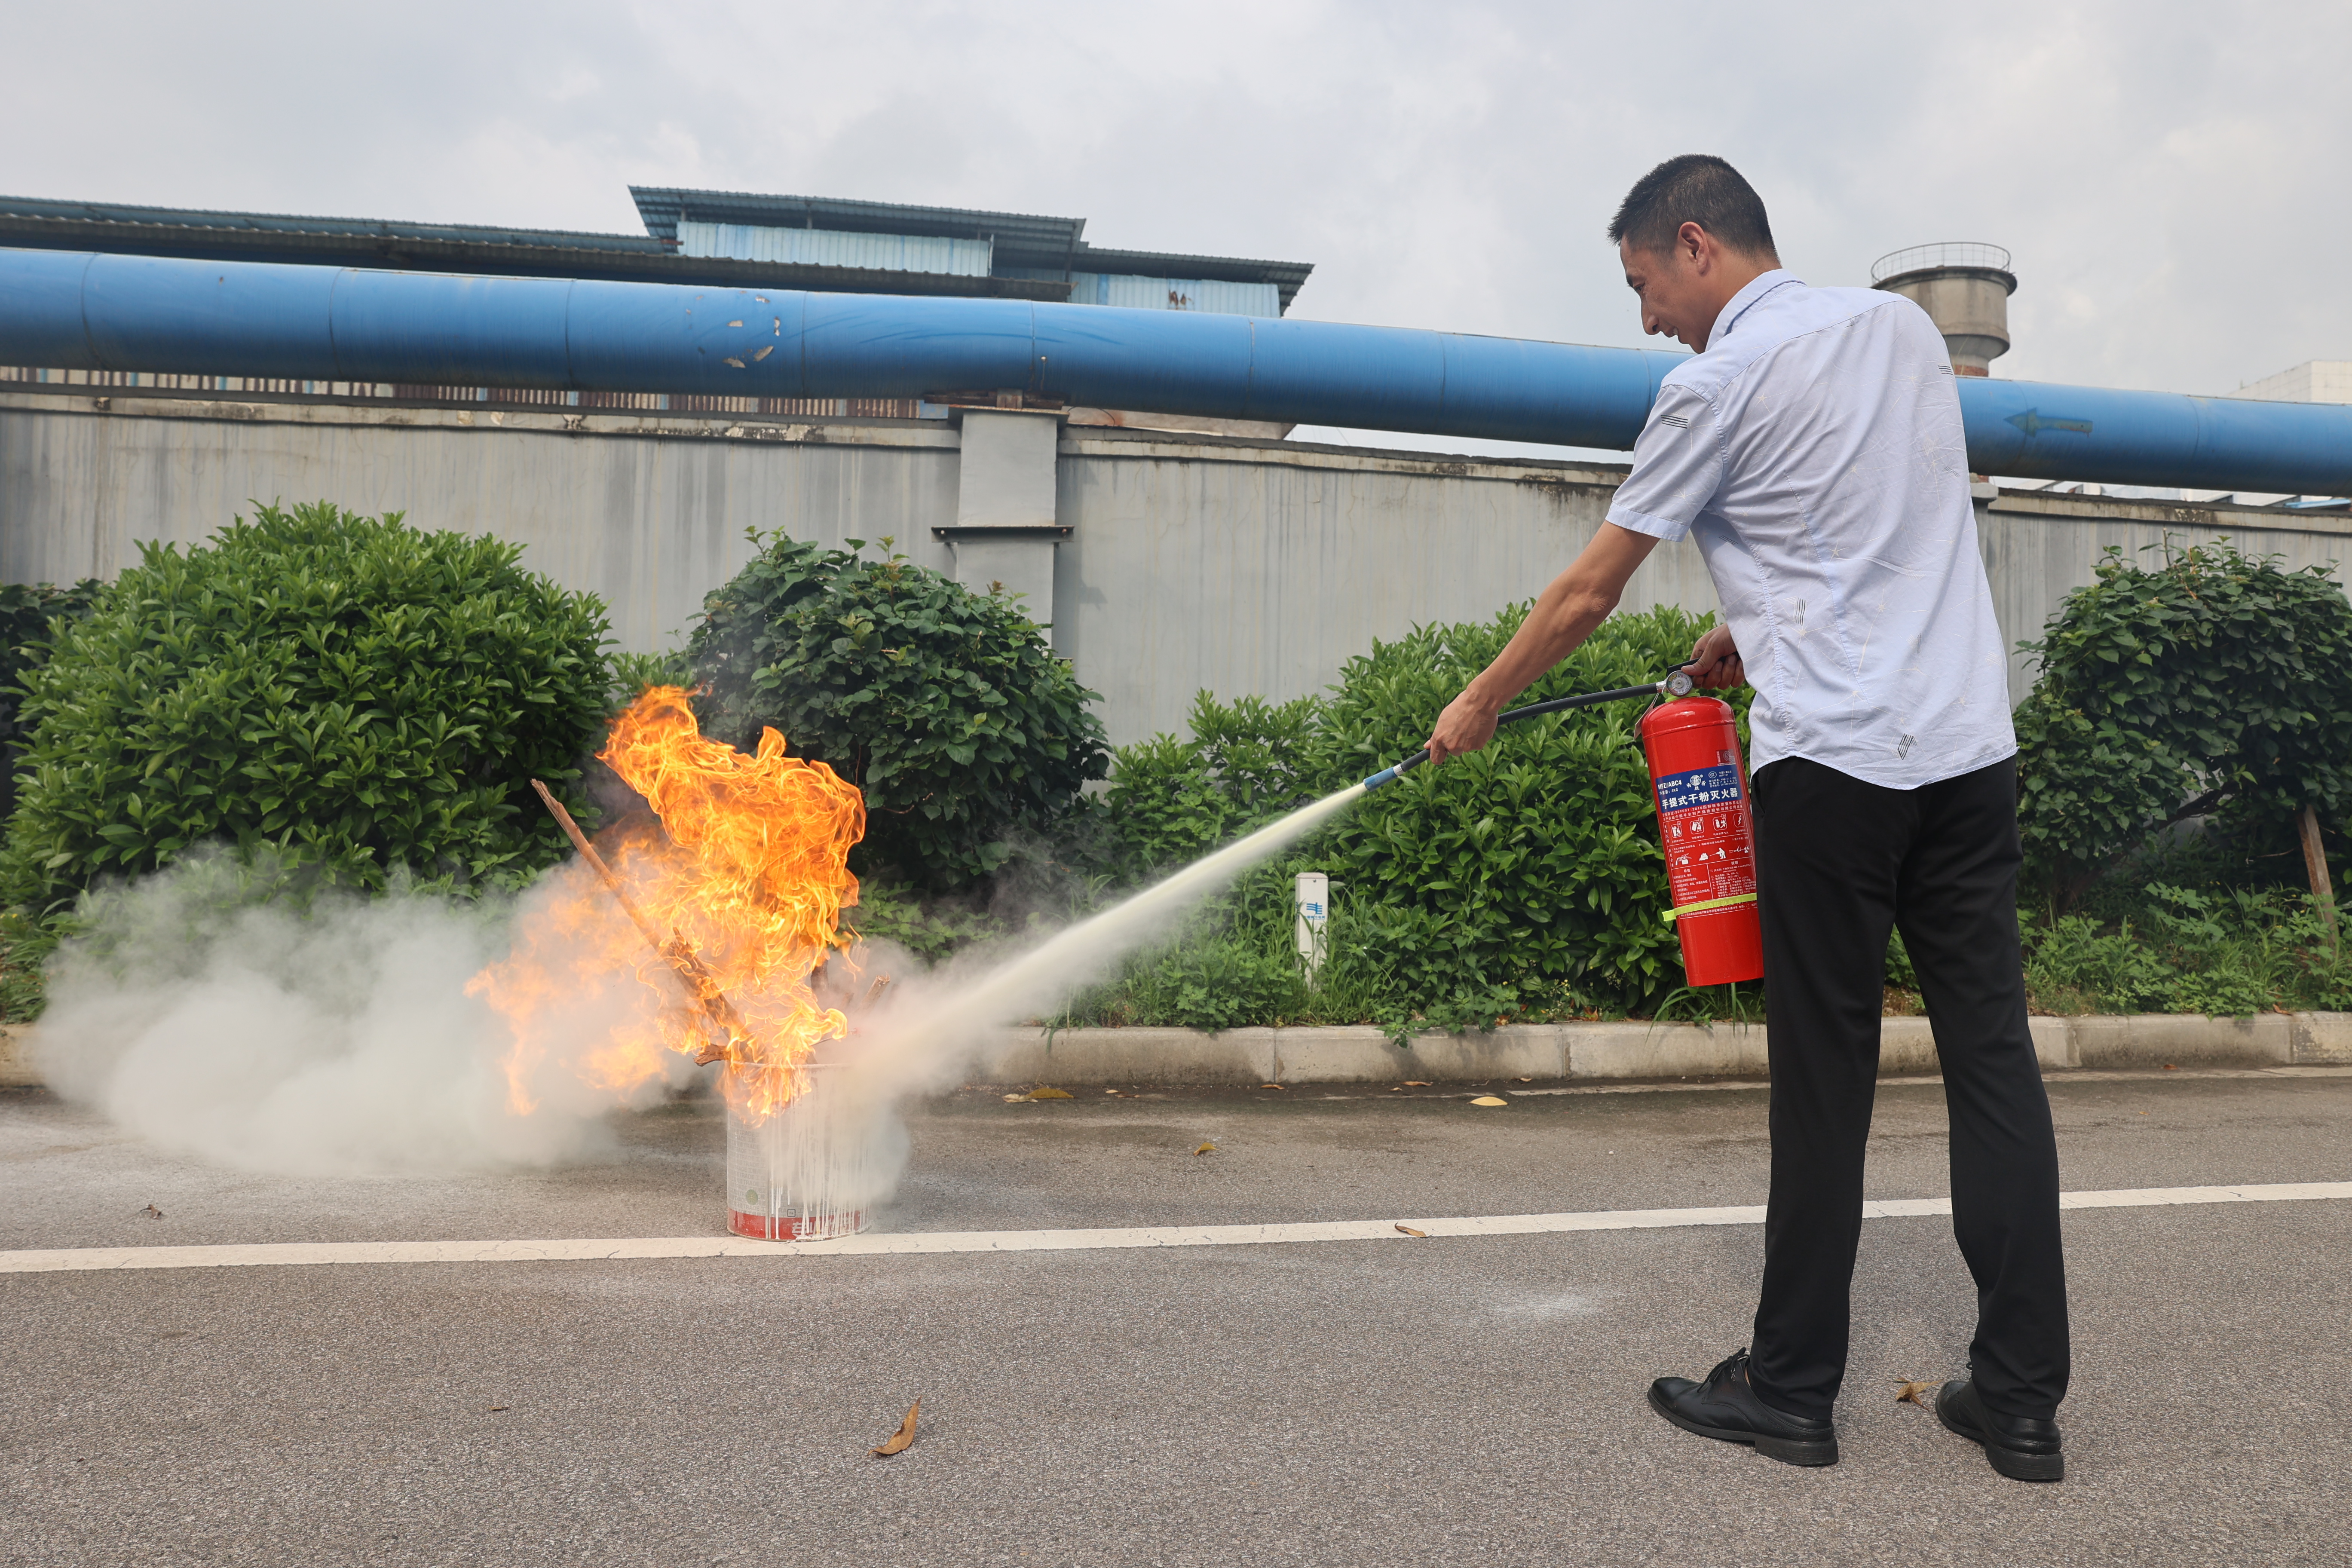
{"points": [[26, 610], [1525, 880], [2074, 961], [929, 929], [2211, 684], [2164, 948], [946, 707], [632, 673], [1217, 976], [1527, 872], [1173, 799], [356, 695], [25, 948]]}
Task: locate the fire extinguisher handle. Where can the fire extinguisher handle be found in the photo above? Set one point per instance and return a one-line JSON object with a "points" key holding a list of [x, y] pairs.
{"points": [[1678, 683]]}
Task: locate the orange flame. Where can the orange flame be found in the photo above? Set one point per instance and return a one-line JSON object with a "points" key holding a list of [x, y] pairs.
{"points": [[749, 876]]}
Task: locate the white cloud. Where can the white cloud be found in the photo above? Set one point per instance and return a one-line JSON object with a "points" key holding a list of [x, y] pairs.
{"points": [[2168, 176]]}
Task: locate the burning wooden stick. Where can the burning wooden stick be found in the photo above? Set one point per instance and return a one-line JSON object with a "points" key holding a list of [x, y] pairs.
{"points": [[701, 985]]}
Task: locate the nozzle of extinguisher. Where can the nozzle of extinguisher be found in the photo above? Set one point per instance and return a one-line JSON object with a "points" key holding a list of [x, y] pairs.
{"points": [[1677, 683], [1396, 771]]}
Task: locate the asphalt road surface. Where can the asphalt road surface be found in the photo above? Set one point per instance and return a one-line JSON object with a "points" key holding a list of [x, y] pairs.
{"points": [[1398, 1401]]}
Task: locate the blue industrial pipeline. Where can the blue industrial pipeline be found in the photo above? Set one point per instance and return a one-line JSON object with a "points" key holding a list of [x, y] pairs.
{"points": [[79, 310]]}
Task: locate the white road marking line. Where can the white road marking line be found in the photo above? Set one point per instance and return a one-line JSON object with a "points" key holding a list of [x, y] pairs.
{"points": [[2053, 1075], [298, 1253]]}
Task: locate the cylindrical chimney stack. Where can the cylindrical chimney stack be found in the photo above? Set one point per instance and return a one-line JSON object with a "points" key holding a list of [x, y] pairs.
{"points": [[1964, 287]]}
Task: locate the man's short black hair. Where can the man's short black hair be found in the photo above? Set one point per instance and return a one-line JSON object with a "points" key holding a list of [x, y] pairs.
{"points": [[1693, 188]]}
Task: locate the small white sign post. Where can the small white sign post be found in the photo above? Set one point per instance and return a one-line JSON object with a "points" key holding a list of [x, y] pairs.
{"points": [[1314, 920]]}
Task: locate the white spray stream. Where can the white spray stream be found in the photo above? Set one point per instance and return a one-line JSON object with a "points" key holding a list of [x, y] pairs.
{"points": [[917, 1039]]}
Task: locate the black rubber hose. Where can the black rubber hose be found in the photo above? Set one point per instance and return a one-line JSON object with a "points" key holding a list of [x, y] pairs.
{"points": [[1533, 709]]}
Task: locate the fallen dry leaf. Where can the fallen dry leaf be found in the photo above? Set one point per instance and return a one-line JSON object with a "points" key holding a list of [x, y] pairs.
{"points": [[1269, 1086], [1412, 1083], [1048, 1091], [152, 1212], [1523, 1081], [1017, 1099], [1911, 1392], [1409, 1231], [902, 1437], [1489, 1100], [1206, 1149]]}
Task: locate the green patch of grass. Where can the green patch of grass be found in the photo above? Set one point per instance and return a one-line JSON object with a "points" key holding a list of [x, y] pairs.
{"points": [[25, 947], [2164, 948]]}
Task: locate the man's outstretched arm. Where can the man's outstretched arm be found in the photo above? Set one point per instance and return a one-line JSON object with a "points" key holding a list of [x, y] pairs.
{"points": [[1578, 600]]}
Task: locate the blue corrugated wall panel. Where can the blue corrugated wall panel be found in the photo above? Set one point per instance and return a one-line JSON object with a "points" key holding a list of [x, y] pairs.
{"points": [[1216, 296], [837, 248]]}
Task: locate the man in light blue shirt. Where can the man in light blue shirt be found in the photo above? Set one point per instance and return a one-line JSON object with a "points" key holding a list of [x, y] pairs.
{"points": [[1812, 449]]}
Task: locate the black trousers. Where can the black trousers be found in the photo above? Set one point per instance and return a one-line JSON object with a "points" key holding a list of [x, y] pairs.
{"points": [[1838, 862]]}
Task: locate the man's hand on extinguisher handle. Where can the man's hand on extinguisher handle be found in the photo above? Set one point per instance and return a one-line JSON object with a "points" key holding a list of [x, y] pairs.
{"points": [[1714, 661]]}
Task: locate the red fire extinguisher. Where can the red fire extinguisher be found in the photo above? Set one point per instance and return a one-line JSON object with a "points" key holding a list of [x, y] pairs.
{"points": [[1700, 786]]}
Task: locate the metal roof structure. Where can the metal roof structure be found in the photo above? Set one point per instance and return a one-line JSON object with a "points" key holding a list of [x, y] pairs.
{"points": [[1288, 275], [1023, 239], [1034, 256], [448, 248], [473, 249], [194, 218]]}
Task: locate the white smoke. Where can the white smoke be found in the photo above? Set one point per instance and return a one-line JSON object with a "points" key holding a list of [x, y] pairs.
{"points": [[331, 1038], [338, 1036]]}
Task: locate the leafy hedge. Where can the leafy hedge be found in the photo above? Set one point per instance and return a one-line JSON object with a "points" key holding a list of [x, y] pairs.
{"points": [[946, 707], [2209, 685], [1523, 880], [26, 610], [356, 694]]}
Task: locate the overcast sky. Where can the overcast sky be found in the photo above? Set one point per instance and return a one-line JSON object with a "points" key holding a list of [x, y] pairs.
{"points": [[2171, 177]]}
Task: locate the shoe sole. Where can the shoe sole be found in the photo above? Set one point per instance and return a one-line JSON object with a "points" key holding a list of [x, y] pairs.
{"points": [[1787, 1450], [2017, 1467]]}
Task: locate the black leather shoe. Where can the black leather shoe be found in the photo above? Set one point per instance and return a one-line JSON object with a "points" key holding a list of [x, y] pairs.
{"points": [[2020, 1447], [1726, 1407]]}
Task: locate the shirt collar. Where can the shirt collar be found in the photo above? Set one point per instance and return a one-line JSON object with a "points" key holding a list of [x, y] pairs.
{"points": [[1763, 283]]}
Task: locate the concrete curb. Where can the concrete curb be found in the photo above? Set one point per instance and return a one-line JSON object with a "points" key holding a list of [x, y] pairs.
{"points": [[1592, 1052], [1622, 1051]]}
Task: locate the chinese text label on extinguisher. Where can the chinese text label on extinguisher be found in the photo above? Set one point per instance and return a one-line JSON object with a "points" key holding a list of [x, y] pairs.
{"points": [[1703, 815]]}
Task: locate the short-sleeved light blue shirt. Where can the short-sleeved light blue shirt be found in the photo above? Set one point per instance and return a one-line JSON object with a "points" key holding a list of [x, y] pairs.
{"points": [[1815, 454]]}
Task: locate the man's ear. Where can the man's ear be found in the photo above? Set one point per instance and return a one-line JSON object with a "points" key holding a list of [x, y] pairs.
{"points": [[1693, 240]]}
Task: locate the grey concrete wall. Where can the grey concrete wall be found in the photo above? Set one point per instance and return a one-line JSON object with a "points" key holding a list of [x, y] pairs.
{"points": [[647, 510], [1244, 567], [1191, 562]]}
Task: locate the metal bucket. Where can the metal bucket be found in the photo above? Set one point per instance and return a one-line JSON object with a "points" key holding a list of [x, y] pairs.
{"points": [[811, 1169]]}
